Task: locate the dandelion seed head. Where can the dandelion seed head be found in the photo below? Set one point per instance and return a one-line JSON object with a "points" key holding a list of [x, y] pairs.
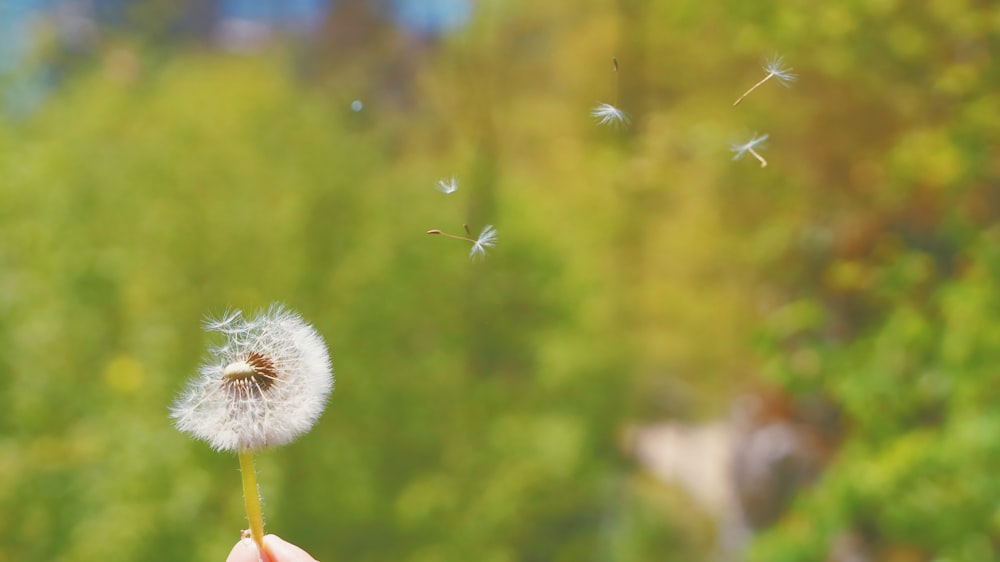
{"points": [[265, 386], [448, 186], [608, 114], [487, 238], [774, 67]]}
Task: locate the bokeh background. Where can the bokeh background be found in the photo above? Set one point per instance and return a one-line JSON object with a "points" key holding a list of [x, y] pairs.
{"points": [[668, 356]]}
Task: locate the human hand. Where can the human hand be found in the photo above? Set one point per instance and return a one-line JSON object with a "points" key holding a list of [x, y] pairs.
{"points": [[275, 550]]}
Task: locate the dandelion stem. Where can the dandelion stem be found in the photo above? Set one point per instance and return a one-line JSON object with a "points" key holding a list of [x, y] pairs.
{"points": [[759, 158], [752, 88], [251, 497]]}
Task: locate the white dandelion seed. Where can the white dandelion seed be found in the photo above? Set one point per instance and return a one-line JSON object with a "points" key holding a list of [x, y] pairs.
{"points": [[608, 114], [611, 114], [448, 186], [743, 149], [265, 386], [774, 69], [487, 238]]}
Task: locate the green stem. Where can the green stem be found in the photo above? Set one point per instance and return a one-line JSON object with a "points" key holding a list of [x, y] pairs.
{"points": [[251, 497]]}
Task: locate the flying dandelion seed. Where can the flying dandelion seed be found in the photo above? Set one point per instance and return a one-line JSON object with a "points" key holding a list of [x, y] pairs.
{"points": [[448, 186], [265, 386], [608, 114], [748, 147], [486, 239], [774, 69], [611, 114]]}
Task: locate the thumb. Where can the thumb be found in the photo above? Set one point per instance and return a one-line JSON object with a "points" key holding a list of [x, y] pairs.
{"points": [[284, 551], [276, 549]]}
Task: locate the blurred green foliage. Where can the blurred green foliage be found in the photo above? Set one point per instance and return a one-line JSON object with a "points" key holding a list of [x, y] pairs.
{"points": [[639, 274]]}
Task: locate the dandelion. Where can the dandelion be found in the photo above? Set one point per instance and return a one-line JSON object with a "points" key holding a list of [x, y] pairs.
{"points": [[486, 239], [448, 186], [265, 386], [774, 69], [741, 149], [610, 114]]}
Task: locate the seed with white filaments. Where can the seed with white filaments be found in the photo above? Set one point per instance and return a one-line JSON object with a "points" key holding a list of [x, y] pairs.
{"points": [[608, 114], [486, 239], [749, 148], [448, 186], [265, 386], [611, 114], [774, 69]]}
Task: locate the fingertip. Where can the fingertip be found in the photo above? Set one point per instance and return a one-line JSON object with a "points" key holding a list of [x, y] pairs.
{"points": [[284, 551], [244, 551]]}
